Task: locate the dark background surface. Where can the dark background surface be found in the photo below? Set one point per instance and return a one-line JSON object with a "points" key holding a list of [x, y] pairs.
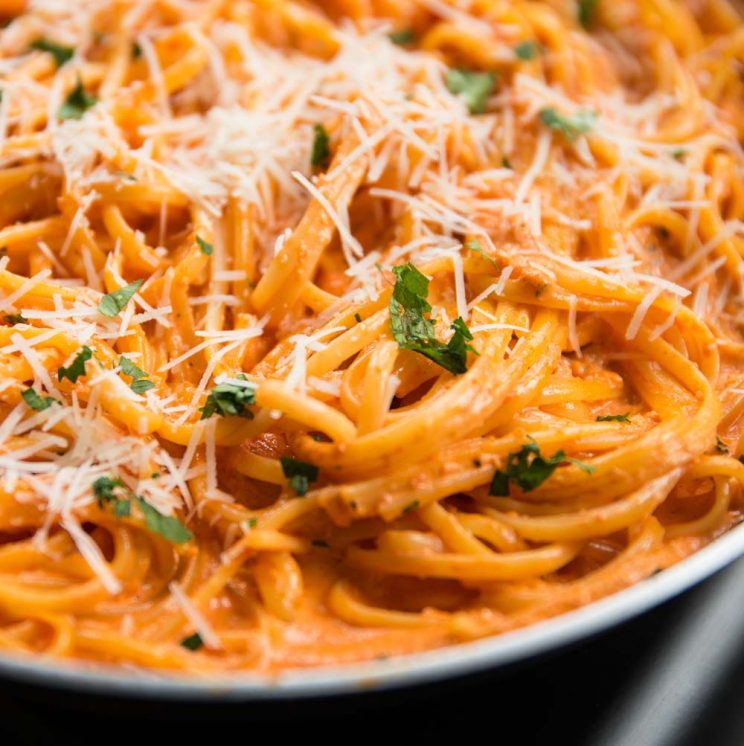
{"points": [[673, 677]]}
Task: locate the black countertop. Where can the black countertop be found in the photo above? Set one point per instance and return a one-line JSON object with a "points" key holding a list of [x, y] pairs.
{"points": [[673, 677]]}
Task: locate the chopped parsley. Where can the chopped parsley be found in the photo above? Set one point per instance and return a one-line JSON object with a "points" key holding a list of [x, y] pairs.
{"points": [[136, 50], [320, 543], [569, 126], [108, 491], [192, 642], [205, 247], [113, 304], [473, 245], [473, 87], [529, 469], [77, 367], [230, 400], [36, 401], [679, 154], [527, 50], [411, 507], [16, 318], [506, 163], [60, 52], [77, 102], [587, 10], [721, 447], [414, 331], [140, 379], [321, 153], [403, 37], [614, 417], [299, 473], [357, 318]]}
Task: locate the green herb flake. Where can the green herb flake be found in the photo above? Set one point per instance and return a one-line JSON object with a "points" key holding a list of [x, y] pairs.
{"points": [[299, 473], [414, 331], [140, 379], [473, 87], [587, 11], [230, 400], [113, 304], [77, 102], [104, 489], [136, 50], [205, 247], [321, 153], [192, 642], [721, 447], [529, 469], [357, 318], [506, 163], [473, 245], [527, 50], [60, 52], [679, 154], [614, 417], [36, 401], [569, 126], [320, 543], [403, 37], [15, 318], [415, 505], [77, 367], [168, 526]]}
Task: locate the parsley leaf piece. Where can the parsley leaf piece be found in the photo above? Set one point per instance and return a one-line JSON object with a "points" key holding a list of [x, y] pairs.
{"points": [[113, 304], [230, 400], [614, 417], [473, 87], [529, 469], [587, 9], [205, 247], [721, 447], [103, 489], [77, 103], [473, 245], [413, 331], [299, 473], [140, 382], [77, 367], [168, 526], [36, 401], [128, 368], [527, 50], [60, 52], [141, 385], [569, 126], [506, 163], [122, 508], [321, 153], [415, 505], [403, 37], [192, 642], [357, 318], [15, 318]]}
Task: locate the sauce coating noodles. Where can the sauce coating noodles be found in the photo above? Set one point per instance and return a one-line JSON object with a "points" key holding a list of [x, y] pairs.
{"points": [[346, 329]]}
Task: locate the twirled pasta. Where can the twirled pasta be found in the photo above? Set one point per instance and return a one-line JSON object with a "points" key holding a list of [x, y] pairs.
{"points": [[337, 330]]}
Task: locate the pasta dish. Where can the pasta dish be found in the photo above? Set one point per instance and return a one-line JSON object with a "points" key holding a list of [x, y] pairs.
{"points": [[333, 331]]}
